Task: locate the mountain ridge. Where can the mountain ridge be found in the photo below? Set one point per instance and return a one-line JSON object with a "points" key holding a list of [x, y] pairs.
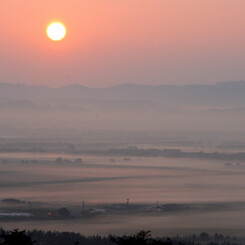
{"points": [[220, 94], [76, 85]]}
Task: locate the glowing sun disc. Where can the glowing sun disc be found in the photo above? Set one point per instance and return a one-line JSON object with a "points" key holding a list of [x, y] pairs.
{"points": [[56, 31]]}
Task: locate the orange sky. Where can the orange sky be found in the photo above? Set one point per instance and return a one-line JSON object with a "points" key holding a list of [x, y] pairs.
{"points": [[110, 42]]}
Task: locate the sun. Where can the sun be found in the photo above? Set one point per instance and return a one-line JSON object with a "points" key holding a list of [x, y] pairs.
{"points": [[56, 31]]}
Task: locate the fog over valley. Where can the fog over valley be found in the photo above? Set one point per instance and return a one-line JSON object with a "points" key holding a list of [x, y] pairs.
{"points": [[76, 109]]}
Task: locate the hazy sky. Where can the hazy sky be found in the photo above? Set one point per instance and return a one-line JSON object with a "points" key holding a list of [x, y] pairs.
{"points": [[110, 42]]}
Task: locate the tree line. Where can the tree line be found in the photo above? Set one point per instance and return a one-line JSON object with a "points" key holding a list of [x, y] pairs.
{"points": [[36, 237]]}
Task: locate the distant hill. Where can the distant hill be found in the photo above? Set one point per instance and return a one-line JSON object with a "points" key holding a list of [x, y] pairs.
{"points": [[26, 109], [226, 94]]}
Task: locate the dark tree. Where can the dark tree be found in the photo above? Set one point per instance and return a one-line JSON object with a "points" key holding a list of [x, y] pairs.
{"points": [[16, 237], [59, 160], [64, 212], [140, 238]]}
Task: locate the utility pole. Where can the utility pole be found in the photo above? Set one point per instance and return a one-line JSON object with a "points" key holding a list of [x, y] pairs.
{"points": [[127, 202], [30, 207]]}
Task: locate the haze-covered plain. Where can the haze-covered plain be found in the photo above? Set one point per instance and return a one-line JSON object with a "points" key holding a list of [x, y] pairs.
{"points": [[166, 195], [60, 148], [75, 111]]}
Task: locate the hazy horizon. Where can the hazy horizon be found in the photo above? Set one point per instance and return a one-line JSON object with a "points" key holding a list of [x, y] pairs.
{"points": [[124, 108], [124, 84]]}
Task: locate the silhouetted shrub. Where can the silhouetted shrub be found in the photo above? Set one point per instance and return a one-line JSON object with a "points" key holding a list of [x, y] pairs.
{"points": [[16, 237]]}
